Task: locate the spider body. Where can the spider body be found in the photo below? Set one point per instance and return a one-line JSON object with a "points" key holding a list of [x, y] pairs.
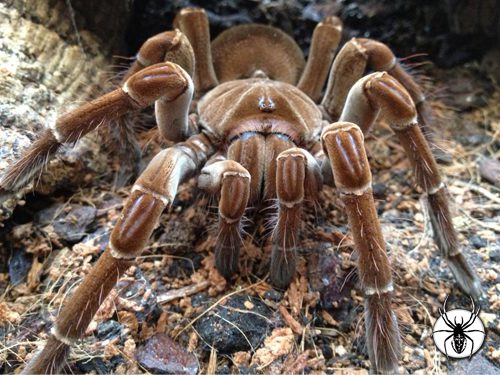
{"points": [[262, 130], [459, 332], [459, 342]]}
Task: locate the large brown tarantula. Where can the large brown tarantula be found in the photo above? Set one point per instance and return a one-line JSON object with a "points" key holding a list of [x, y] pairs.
{"points": [[260, 130]]}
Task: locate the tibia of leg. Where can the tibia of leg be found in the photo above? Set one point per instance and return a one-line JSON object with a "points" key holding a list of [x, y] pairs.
{"points": [[232, 181], [170, 46], [383, 338], [447, 242]]}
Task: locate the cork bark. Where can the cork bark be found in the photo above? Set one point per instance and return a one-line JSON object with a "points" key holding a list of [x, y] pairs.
{"points": [[49, 64]]}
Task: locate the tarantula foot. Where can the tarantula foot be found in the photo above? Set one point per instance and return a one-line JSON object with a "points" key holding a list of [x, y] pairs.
{"points": [[465, 276], [382, 333], [282, 266]]}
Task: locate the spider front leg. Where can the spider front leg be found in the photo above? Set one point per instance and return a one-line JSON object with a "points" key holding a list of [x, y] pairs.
{"points": [[343, 143], [380, 92], [167, 83], [350, 64], [298, 176], [232, 181], [154, 190]]}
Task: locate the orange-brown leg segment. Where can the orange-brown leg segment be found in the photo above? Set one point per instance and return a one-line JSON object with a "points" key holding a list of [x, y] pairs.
{"points": [[166, 82], [232, 181], [193, 22], [350, 65], [154, 190], [170, 46], [380, 92], [325, 39], [343, 143], [297, 177]]}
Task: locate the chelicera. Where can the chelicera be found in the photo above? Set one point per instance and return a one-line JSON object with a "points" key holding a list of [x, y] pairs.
{"points": [[259, 128]]}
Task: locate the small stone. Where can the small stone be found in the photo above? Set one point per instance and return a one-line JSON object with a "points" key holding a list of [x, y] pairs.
{"points": [[19, 266], [108, 329], [379, 190], [273, 295], [491, 275], [494, 254], [489, 169], [232, 327], [340, 350], [161, 354], [478, 364], [69, 222], [478, 242]]}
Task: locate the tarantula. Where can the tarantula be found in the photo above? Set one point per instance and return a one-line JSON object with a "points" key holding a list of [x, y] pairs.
{"points": [[260, 129]]}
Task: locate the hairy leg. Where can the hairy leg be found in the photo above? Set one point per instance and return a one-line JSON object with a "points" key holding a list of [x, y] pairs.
{"points": [[232, 181], [344, 145], [380, 92], [298, 177], [166, 82], [152, 193]]}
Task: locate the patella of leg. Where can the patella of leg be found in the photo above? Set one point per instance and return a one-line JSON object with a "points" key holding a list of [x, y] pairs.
{"points": [[172, 46], [193, 22], [232, 181], [380, 92], [153, 191], [325, 39], [351, 63], [297, 177], [166, 82], [343, 143]]}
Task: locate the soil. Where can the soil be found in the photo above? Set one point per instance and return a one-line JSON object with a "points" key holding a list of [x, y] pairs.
{"points": [[173, 312]]}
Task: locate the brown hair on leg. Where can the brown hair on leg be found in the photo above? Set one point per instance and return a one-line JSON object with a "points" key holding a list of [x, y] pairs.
{"points": [[344, 145], [232, 181], [297, 177]]}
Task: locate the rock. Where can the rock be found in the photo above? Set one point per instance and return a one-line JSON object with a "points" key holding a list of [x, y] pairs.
{"points": [[478, 364], [95, 365], [70, 222], [494, 254], [379, 190], [234, 326], [108, 329], [19, 266], [478, 242], [489, 169], [137, 295], [273, 295], [160, 354]]}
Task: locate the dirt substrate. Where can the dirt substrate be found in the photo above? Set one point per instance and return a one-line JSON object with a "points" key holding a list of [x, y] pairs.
{"points": [[243, 325]]}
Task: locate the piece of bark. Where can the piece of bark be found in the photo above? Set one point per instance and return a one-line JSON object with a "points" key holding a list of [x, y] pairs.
{"points": [[47, 67]]}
